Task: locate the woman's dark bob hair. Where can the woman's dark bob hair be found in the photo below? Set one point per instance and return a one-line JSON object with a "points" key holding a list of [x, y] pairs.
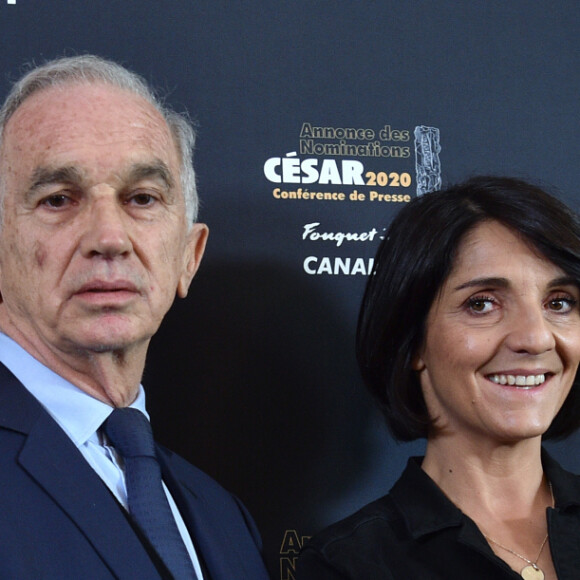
{"points": [[412, 264]]}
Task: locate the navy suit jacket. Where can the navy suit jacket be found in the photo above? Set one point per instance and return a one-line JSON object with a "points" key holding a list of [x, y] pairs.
{"points": [[58, 520]]}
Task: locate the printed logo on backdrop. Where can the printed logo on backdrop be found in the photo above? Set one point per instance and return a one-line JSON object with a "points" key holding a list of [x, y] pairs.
{"points": [[354, 166], [289, 550], [337, 265], [357, 165]]}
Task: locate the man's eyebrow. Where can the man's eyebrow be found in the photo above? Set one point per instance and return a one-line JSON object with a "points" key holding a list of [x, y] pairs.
{"points": [[48, 175], [157, 170]]}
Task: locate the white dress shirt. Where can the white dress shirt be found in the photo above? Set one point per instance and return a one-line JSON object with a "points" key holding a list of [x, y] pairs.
{"points": [[80, 416]]}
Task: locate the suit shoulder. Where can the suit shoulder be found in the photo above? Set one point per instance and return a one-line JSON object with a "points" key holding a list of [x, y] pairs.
{"points": [[191, 476], [219, 501]]}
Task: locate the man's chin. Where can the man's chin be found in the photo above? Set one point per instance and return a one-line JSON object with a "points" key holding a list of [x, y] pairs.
{"points": [[108, 342]]}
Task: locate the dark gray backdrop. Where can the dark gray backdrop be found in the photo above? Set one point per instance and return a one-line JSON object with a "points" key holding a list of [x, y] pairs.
{"points": [[253, 376]]}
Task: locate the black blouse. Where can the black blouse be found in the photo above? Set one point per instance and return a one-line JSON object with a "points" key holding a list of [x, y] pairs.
{"points": [[416, 533]]}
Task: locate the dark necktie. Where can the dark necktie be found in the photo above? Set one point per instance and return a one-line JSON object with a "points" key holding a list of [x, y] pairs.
{"points": [[130, 433]]}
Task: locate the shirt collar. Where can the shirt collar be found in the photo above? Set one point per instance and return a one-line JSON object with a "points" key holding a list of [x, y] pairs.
{"points": [[78, 414], [565, 485], [421, 503], [426, 509]]}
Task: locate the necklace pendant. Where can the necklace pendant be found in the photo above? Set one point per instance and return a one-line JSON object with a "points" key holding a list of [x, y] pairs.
{"points": [[532, 572]]}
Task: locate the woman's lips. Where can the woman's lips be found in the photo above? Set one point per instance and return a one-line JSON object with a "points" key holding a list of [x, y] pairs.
{"points": [[519, 379]]}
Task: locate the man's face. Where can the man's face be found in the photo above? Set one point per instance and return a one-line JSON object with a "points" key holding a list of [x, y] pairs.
{"points": [[94, 244]]}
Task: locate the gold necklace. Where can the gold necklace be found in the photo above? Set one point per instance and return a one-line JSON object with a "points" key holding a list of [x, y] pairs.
{"points": [[532, 571]]}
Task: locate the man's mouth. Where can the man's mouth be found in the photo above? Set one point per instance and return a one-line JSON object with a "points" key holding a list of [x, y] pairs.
{"points": [[107, 287], [101, 293]]}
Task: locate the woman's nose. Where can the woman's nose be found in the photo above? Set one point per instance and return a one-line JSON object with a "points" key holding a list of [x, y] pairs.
{"points": [[530, 332]]}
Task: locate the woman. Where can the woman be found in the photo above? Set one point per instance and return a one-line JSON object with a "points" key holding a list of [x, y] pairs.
{"points": [[469, 336]]}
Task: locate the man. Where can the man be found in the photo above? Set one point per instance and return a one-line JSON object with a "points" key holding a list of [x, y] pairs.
{"points": [[97, 236]]}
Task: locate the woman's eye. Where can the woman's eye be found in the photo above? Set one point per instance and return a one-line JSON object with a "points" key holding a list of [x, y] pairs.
{"points": [[562, 305], [480, 305]]}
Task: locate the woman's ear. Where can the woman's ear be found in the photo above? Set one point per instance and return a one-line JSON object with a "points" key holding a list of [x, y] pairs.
{"points": [[417, 363]]}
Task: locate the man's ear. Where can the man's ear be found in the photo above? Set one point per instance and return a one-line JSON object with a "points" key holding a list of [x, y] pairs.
{"points": [[196, 240]]}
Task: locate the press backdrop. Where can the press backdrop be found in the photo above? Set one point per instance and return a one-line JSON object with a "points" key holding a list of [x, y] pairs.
{"points": [[317, 122]]}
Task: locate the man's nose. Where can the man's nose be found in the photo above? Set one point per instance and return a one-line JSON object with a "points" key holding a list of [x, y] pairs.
{"points": [[530, 331], [106, 231]]}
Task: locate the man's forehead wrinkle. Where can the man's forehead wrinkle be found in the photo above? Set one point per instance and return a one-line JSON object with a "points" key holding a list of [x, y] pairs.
{"points": [[131, 109], [156, 169], [47, 175]]}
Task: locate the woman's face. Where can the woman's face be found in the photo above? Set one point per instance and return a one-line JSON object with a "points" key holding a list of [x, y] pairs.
{"points": [[502, 341]]}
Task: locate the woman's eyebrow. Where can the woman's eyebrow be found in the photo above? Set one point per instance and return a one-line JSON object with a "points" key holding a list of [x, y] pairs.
{"points": [[504, 282], [564, 281], [485, 281]]}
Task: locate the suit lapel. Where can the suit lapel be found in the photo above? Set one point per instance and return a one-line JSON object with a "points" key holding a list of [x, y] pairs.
{"points": [[217, 550], [53, 461]]}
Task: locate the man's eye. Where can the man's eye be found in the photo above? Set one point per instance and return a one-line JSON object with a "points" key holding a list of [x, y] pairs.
{"points": [[56, 201], [142, 199]]}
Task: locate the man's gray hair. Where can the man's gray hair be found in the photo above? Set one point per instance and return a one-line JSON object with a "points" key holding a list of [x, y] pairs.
{"points": [[94, 69]]}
